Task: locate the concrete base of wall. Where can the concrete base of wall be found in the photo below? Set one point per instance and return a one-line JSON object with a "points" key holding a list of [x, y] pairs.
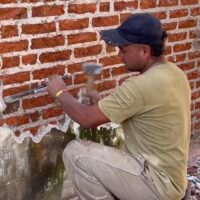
{"points": [[33, 171]]}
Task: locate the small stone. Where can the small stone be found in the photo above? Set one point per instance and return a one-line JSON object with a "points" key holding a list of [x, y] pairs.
{"points": [[197, 185], [192, 188]]}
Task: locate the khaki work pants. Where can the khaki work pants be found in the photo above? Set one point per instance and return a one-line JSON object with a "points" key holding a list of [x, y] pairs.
{"points": [[101, 172]]}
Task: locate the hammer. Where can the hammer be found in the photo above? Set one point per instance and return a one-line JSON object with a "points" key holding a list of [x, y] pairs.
{"points": [[91, 69]]}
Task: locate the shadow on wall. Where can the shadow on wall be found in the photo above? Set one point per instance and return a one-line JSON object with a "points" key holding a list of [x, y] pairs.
{"points": [[32, 171]]}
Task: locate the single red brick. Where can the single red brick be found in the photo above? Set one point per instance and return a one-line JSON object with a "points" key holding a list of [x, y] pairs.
{"points": [[14, 90], [45, 73], [193, 34], [188, 23], [80, 78], [195, 95], [178, 13], [191, 85], [77, 67], [105, 21], [104, 6], [15, 78], [118, 70], [7, 47], [146, 4], [38, 28], [169, 26], [45, 42], [87, 51], [48, 10], [52, 112], [110, 48], [1, 122], [182, 47], [197, 105], [160, 15], [192, 107], [111, 60], [195, 11], [198, 115], [168, 50], [9, 31], [106, 85], [173, 37], [9, 62], [17, 120], [82, 8], [37, 102], [30, 1], [106, 73], [8, 1], [29, 59], [192, 75], [193, 55], [180, 57], [170, 59], [124, 16], [13, 13], [121, 5], [82, 37], [189, 2], [73, 24], [186, 66], [55, 56], [167, 3], [197, 124], [197, 84]]}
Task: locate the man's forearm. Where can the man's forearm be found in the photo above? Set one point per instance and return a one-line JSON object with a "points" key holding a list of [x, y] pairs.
{"points": [[87, 116], [77, 111]]}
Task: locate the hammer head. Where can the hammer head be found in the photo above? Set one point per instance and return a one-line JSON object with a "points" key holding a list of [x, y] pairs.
{"points": [[92, 68]]}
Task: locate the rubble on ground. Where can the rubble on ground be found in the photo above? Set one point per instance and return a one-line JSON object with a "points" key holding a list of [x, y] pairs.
{"points": [[194, 179]]}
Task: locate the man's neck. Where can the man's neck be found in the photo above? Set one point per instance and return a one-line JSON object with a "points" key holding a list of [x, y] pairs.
{"points": [[154, 61]]}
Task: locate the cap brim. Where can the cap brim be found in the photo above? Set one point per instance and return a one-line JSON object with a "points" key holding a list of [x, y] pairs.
{"points": [[113, 37]]}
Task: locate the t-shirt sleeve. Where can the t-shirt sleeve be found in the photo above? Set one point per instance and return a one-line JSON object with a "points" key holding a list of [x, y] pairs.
{"points": [[125, 102]]}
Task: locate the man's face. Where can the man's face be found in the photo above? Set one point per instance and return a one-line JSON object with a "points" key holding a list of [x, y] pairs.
{"points": [[134, 57]]}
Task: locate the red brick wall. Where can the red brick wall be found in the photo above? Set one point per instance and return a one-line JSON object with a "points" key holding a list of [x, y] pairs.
{"points": [[43, 37]]}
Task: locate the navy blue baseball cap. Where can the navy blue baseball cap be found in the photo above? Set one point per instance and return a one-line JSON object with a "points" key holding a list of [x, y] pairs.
{"points": [[140, 28]]}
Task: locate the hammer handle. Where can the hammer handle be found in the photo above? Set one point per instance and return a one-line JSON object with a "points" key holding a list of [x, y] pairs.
{"points": [[90, 83]]}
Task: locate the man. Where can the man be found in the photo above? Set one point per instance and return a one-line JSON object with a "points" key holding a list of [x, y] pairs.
{"points": [[154, 111]]}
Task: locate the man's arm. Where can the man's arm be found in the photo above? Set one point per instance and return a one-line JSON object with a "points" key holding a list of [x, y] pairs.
{"points": [[86, 116]]}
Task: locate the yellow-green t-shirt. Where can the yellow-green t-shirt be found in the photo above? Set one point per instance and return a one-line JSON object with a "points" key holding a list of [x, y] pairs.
{"points": [[154, 110]]}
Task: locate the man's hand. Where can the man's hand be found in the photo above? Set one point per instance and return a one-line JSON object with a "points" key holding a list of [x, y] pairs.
{"points": [[55, 84], [94, 96], [89, 97]]}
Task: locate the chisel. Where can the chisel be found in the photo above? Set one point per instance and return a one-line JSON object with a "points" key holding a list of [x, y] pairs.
{"points": [[41, 88]]}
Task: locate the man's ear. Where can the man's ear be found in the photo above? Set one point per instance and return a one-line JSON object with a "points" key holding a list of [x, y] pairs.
{"points": [[146, 51]]}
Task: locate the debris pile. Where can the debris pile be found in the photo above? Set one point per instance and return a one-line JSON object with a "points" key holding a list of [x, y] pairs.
{"points": [[194, 179]]}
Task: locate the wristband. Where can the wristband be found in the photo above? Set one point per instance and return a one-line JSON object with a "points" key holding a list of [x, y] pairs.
{"points": [[60, 92]]}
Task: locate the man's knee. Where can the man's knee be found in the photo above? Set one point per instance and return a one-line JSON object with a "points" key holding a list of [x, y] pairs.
{"points": [[69, 150]]}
